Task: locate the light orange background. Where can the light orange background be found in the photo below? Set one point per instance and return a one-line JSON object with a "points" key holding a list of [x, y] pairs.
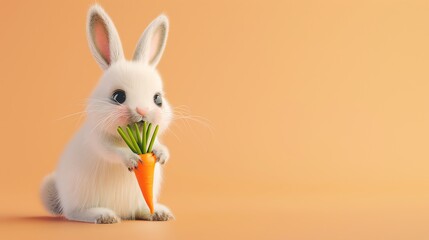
{"points": [[316, 116]]}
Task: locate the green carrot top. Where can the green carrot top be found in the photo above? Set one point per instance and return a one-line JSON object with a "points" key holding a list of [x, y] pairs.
{"points": [[138, 140]]}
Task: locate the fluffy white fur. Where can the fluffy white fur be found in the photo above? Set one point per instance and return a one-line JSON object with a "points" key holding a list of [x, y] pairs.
{"points": [[92, 182]]}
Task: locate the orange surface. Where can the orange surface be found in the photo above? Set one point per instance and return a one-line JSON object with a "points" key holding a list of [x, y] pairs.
{"points": [[144, 174], [317, 116]]}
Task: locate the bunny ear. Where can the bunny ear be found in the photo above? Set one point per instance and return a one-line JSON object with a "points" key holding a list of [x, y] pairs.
{"points": [[103, 38], [152, 42]]}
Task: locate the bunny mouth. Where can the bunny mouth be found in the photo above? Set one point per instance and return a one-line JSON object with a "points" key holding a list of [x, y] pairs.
{"points": [[136, 119], [141, 122]]}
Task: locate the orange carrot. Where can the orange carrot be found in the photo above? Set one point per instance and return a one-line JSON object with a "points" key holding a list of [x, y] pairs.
{"points": [[144, 174], [145, 169]]}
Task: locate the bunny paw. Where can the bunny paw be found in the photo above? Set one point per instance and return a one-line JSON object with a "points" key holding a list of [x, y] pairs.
{"points": [[162, 213], [162, 154], [131, 161], [107, 218]]}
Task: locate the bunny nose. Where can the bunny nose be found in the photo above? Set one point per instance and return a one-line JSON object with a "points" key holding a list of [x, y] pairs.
{"points": [[141, 111]]}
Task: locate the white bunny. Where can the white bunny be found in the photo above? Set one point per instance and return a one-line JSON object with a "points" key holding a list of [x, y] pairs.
{"points": [[92, 182]]}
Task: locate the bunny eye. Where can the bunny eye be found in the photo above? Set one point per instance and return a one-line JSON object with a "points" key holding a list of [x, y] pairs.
{"points": [[157, 99], [119, 96]]}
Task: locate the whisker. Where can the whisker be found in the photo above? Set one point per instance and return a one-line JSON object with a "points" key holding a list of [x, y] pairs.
{"points": [[70, 115], [196, 119]]}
